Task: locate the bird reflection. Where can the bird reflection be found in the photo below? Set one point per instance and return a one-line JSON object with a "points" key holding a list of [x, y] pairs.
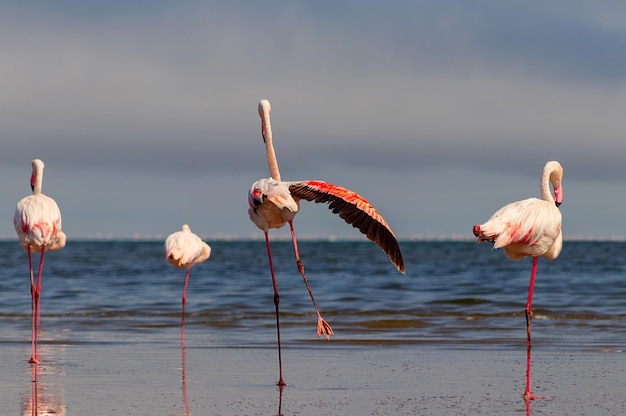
{"points": [[45, 399], [184, 381], [280, 400]]}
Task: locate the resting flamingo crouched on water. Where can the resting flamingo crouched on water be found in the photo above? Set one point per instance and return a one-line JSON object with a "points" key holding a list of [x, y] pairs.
{"points": [[37, 222], [183, 250], [274, 203], [529, 228]]}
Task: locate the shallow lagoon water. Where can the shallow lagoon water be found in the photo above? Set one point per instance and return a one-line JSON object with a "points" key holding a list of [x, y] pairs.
{"points": [[447, 338]]}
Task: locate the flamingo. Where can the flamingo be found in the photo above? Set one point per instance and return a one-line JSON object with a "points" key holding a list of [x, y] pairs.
{"points": [[274, 203], [183, 250], [37, 222], [529, 228]]}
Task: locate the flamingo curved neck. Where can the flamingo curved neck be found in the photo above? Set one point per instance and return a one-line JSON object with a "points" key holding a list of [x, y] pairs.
{"points": [[37, 177], [546, 194], [272, 162], [552, 174]]}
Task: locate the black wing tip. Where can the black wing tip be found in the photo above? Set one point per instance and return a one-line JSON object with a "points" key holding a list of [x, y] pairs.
{"points": [[374, 230], [386, 240], [396, 258], [400, 267]]}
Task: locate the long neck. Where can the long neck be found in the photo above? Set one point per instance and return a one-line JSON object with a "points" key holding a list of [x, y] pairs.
{"points": [[269, 147], [36, 180], [546, 194]]}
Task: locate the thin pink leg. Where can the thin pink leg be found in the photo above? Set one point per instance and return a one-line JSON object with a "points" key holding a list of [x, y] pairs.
{"points": [[39, 283], [281, 381], [37, 298], [529, 315], [184, 303], [33, 306], [185, 289], [323, 328]]}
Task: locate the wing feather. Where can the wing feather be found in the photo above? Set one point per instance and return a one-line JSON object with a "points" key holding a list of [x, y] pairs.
{"points": [[356, 211]]}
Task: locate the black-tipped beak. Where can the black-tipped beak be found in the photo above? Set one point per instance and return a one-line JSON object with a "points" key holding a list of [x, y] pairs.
{"points": [[558, 204], [32, 187]]}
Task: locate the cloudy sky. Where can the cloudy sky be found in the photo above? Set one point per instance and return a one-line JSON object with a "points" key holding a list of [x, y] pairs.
{"points": [[438, 112]]}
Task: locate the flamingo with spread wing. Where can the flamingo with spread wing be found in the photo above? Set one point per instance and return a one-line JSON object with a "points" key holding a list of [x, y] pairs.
{"points": [[274, 203]]}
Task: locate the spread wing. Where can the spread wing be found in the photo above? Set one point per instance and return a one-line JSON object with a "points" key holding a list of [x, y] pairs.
{"points": [[356, 211]]}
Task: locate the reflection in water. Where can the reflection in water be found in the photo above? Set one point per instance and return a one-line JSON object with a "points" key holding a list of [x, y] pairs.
{"points": [[280, 400], [45, 398], [182, 332], [185, 401]]}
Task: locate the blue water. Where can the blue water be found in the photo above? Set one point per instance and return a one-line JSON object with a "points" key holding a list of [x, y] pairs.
{"points": [[454, 295]]}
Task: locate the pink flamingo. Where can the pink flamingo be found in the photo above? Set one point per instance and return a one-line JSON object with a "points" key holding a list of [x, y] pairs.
{"points": [[529, 228], [37, 221], [274, 203], [183, 250]]}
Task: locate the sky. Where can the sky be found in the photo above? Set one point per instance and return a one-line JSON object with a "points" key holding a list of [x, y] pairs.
{"points": [[437, 112]]}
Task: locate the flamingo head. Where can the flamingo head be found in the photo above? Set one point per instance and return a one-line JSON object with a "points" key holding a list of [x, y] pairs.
{"points": [[556, 178], [37, 165], [264, 112]]}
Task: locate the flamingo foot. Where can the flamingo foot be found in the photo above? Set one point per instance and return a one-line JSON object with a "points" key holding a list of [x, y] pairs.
{"points": [[34, 360], [281, 383], [529, 396], [323, 328]]}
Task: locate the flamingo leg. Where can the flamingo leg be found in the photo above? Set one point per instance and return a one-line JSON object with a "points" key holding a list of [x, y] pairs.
{"points": [[323, 328], [38, 292], [182, 339], [185, 289], [281, 381], [33, 306], [529, 315]]}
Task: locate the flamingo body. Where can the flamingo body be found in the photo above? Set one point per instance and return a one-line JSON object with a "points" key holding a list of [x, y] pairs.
{"points": [[527, 228], [271, 204], [184, 249], [37, 222], [37, 217]]}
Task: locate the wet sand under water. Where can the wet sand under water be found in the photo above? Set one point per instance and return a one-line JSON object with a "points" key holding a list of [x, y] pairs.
{"points": [[148, 379]]}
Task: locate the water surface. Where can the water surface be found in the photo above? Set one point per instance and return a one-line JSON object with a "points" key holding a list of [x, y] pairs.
{"points": [[454, 295]]}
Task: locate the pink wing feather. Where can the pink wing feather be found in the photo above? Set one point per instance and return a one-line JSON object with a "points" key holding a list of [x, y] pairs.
{"points": [[356, 211]]}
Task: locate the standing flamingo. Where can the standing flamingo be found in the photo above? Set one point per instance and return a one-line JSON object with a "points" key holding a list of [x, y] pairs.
{"points": [[529, 228], [274, 203], [37, 221], [184, 249]]}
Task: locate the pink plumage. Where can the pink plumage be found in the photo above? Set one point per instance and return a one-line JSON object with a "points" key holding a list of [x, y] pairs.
{"points": [[184, 249], [37, 218]]}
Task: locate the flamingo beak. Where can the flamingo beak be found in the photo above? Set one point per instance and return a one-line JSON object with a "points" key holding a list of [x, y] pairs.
{"points": [[558, 195], [263, 131]]}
